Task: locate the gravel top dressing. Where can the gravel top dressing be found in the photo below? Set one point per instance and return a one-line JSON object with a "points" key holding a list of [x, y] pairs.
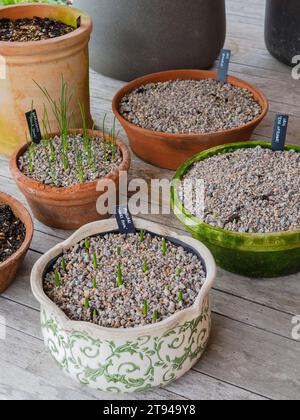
{"points": [[189, 106], [119, 281], [36, 29], [47, 166], [250, 190], [12, 233]]}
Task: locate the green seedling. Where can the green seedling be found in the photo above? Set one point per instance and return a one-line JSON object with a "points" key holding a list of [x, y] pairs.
{"points": [[104, 139], [118, 251], [79, 164], [155, 315], [95, 313], [164, 247], [145, 308], [142, 235], [145, 266], [119, 276], [63, 264], [95, 262], [180, 296], [57, 279], [86, 303], [86, 244], [94, 283], [178, 272]]}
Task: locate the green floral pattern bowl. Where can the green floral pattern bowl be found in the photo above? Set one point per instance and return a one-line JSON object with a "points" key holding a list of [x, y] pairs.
{"points": [[251, 255], [126, 360]]}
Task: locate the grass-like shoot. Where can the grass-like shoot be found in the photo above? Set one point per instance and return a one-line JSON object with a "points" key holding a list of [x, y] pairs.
{"points": [[164, 247], [119, 276], [57, 279]]}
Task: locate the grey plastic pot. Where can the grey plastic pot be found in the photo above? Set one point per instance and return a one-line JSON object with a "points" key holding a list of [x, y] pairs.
{"points": [[282, 29], [136, 37]]}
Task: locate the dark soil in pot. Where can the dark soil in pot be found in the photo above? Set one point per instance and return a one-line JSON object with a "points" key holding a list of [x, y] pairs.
{"points": [[12, 233], [119, 281], [36, 29], [189, 106]]}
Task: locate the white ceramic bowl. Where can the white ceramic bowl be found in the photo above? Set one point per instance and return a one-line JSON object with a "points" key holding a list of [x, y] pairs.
{"points": [[126, 360]]}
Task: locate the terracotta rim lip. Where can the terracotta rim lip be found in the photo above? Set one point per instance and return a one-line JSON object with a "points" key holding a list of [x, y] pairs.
{"points": [[72, 191], [86, 26], [177, 203], [183, 74], [25, 219], [68, 324]]}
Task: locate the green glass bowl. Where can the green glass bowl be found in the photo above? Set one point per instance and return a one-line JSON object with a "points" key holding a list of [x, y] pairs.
{"points": [[251, 255]]}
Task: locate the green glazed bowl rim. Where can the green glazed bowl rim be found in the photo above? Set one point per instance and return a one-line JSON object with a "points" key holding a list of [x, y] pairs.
{"points": [[254, 242]]}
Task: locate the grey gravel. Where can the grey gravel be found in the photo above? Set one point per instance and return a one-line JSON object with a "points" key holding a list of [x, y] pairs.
{"points": [[65, 178], [189, 106], [122, 307], [249, 191]]}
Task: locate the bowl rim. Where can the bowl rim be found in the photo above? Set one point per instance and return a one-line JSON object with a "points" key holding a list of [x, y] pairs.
{"points": [[26, 219], [86, 25], [268, 239], [110, 225], [73, 190], [186, 75]]}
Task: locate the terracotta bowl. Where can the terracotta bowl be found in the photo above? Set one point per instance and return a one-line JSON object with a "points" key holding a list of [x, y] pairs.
{"points": [[9, 268], [70, 207], [170, 151]]}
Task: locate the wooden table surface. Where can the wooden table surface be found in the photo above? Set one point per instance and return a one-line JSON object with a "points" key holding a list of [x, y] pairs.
{"points": [[251, 354]]}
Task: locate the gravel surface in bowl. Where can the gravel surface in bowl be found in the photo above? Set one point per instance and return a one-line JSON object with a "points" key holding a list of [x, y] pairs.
{"points": [[53, 173], [251, 190], [36, 29], [157, 281], [189, 106], [12, 233]]}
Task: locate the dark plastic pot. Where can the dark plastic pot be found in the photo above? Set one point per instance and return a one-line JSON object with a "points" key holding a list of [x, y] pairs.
{"points": [[136, 37], [250, 255], [282, 29]]}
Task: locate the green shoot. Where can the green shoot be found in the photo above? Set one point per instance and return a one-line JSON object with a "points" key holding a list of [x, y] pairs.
{"points": [[86, 244], [94, 283], [79, 164], [145, 308], [31, 153], [178, 272], [86, 303], [57, 279], [118, 251], [104, 139], [63, 264], [113, 140], [180, 296], [84, 127], [95, 313], [145, 267], [119, 276], [95, 262], [142, 235], [164, 247], [155, 315]]}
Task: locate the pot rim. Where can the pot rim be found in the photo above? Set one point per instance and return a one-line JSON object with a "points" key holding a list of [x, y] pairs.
{"points": [[72, 191], [31, 46], [110, 225], [257, 242], [186, 75], [26, 219]]}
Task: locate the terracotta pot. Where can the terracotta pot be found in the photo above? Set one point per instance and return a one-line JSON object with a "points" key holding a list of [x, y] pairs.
{"points": [[44, 62], [137, 37], [9, 268], [160, 353], [170, 151], [68, 207]]}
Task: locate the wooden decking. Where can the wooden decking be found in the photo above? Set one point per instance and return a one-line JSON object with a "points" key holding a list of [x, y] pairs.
{"points": [[251, 354]]}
